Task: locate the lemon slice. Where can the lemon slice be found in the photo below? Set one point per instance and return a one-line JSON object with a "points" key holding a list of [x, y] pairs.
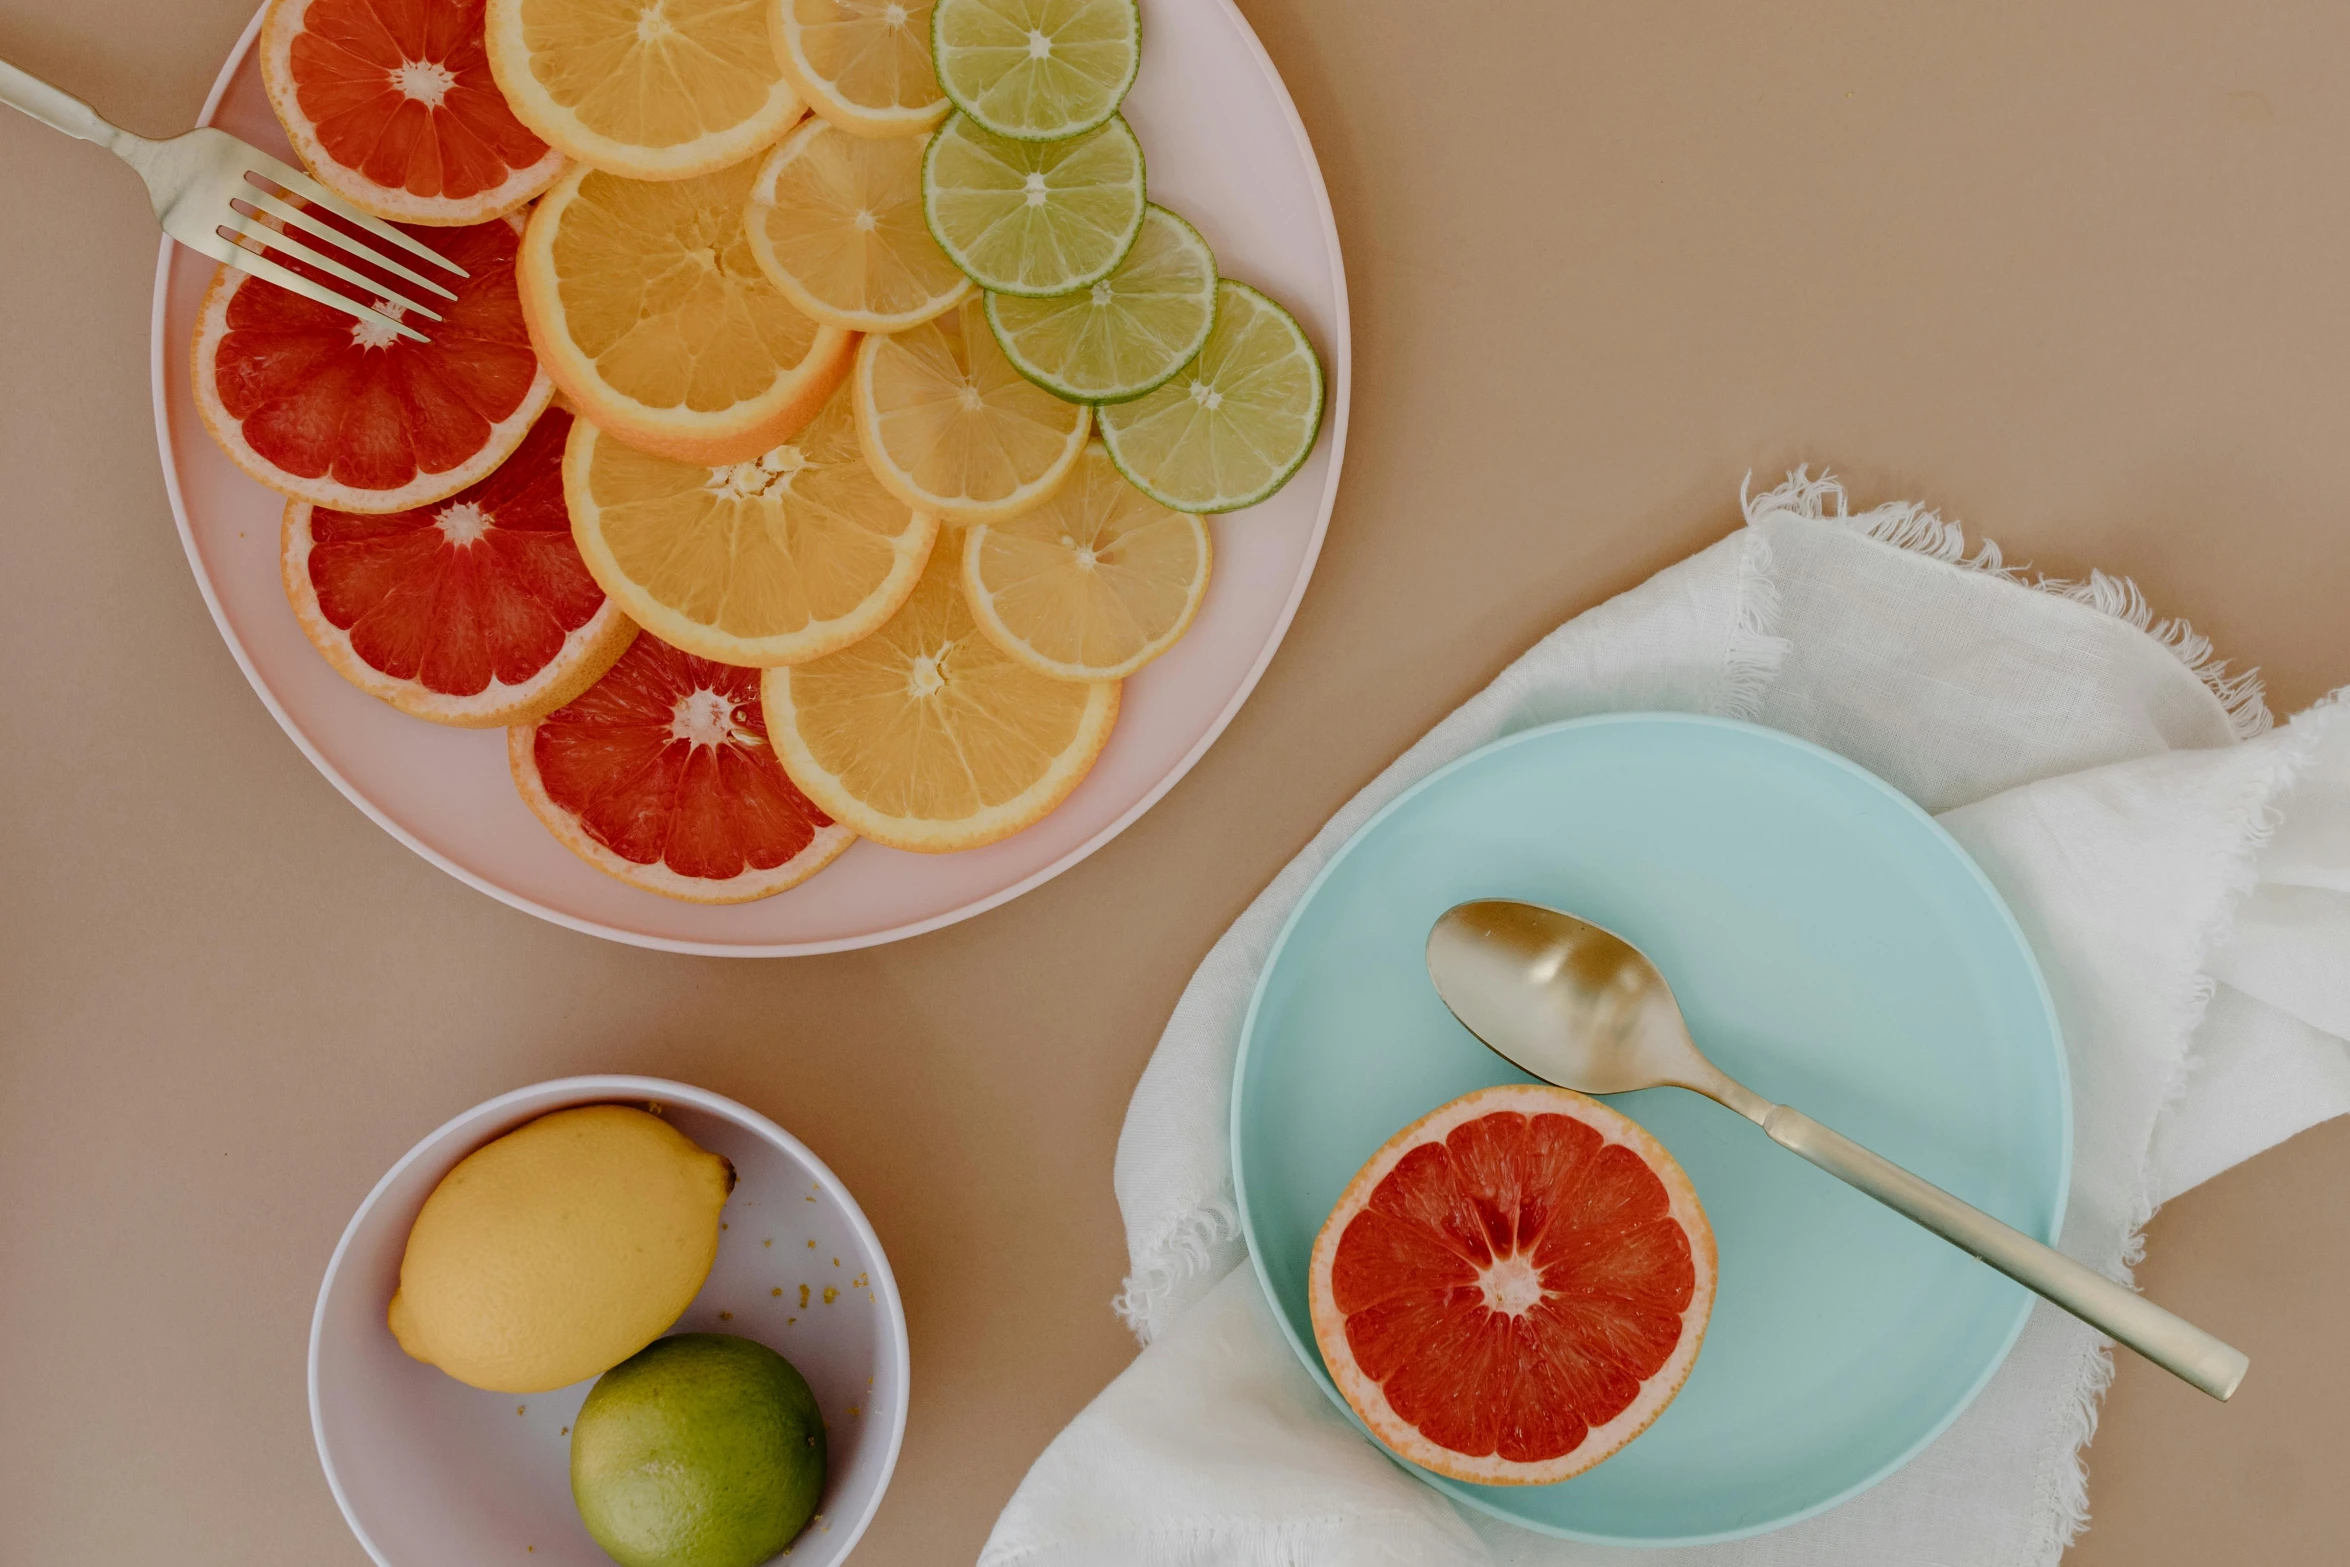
{"points": [[836, 222], [792, 555], [649, 310], [1037, 70], [1033, 218], [1093, 584], [654, 89], [1126, 334], [949, 426], [1232, 426], [927, 736], [862, 64]]}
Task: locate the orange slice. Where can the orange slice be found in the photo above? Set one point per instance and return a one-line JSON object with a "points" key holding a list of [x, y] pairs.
{"points": [[650, 311], [653, 89], [774, 560]]}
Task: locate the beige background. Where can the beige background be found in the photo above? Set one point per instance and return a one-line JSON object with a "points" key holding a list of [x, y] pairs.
{"points": [[2075, 274]]}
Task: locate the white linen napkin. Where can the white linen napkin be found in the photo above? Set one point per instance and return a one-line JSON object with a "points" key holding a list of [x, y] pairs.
{"points": [[2182, 870]]}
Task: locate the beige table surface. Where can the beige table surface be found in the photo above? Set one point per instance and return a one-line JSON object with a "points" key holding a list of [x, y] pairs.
{"points": [[2080, 275]]}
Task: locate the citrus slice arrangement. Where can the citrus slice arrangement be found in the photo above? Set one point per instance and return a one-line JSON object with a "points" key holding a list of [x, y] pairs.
{"points": [[1514, 1286], [892, 410]]}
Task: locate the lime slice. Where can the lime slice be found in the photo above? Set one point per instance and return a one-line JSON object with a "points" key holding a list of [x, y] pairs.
{"points": [[1036, 70], [1233, 425], [1124, 335], [1033, 218]]}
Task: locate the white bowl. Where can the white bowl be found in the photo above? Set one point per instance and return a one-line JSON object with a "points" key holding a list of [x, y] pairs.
{"points": [[432, 1473]]}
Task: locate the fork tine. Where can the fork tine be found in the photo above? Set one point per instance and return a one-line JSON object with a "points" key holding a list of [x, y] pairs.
{"points": [[230, 253], [309, 189], [288, 214], [291, 242]]}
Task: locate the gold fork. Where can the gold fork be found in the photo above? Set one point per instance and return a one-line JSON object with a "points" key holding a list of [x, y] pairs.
{"points": [[216, 194]]}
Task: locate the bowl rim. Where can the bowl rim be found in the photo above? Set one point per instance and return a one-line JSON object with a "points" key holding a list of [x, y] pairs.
{"points": [[601, 1088]]}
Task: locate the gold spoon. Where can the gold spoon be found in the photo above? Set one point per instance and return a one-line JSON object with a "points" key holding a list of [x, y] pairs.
{"points": [[1579, 1006]]}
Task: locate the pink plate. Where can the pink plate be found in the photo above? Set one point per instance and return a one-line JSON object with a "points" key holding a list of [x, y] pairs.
{"points": [[1227, 150]]}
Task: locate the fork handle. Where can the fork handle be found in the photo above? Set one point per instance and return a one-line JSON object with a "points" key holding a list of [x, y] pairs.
{"points": [[54, 106], [2176, 1345]]}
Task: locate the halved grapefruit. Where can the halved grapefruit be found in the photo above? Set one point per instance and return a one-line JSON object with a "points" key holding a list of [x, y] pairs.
{"points": [[391, 104], [342, 413], [1514, 1287], [661, 775], [476, 611]]}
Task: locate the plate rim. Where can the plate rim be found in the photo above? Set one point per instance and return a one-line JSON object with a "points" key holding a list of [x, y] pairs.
{"points": [[1311, 1356], [556, 1093], [1340, 348]]}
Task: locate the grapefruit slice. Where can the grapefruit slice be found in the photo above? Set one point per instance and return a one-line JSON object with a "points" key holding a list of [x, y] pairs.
{"points": [[344, 414], [391, 104], [476, 611], [1514, 1287], [661, 775]]}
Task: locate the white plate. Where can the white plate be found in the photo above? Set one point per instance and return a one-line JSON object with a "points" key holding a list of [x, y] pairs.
{"points": [[432, 1473], [1226, 149]]}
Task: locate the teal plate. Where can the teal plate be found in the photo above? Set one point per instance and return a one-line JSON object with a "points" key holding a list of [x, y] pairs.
{"points": [[1832, 947]]}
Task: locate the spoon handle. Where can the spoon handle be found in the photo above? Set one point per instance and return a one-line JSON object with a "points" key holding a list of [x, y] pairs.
{"points": [[2173, 1343]]}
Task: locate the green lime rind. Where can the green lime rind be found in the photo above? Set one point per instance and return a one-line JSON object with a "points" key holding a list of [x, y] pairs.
{"points": [[1033, 218], [1232, 426], [986, 54], [1126, 335], [700, 1450]]}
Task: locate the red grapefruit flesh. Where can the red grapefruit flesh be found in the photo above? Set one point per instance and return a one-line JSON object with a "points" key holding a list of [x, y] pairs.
{"points": [[1514, 1287], [390, 104], [475, 611], [661, 775], [345, 414]]}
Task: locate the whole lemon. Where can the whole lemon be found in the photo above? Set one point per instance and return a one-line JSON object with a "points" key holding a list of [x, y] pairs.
{"points": [[703, 1450], [559, 1250]]}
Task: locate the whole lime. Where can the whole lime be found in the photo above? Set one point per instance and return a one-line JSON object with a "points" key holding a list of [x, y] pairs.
{"points": [[700, 1450]]}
